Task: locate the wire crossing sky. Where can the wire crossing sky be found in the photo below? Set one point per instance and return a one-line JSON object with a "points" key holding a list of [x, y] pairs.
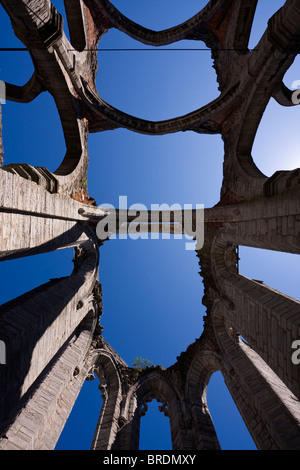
{"points": [[152, 291]]}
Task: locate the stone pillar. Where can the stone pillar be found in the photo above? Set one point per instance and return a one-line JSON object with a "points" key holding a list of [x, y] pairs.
{"points": [[140, 389], [268, 320], [270, 222], [204, 364], [269, 409], [106, 368], [38, 420], [37, 324]]}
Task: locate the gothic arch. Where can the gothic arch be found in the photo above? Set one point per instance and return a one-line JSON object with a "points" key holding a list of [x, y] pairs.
{"points": [[57, 326], [153, 385], [254, 309], [111, 387], [204, 364], [48, 311]]}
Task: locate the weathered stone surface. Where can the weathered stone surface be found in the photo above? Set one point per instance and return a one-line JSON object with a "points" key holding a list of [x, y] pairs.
{"points": [[53, 333]]}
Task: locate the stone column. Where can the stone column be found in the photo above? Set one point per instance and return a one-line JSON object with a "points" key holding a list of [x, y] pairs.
{"points": [[37, 324], [111, 385], [38, 420], [269, 409], [204, 364], [268, 320]]}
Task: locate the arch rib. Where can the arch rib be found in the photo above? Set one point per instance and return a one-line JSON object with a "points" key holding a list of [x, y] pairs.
{"points": [[147, 36], [25, 93], [204, 120]]}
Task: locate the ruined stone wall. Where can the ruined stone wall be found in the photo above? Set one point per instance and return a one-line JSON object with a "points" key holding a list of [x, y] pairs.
{"points": [[53, 333]]}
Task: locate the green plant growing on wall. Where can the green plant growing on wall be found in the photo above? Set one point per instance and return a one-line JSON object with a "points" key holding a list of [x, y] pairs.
{"points": [[139, 363]]}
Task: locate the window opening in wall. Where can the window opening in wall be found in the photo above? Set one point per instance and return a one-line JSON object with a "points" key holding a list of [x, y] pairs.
{"points": [[24, 141], [16, 67], [275, 269], [276, 144], [155, 431], [80, 427], [27, 141], [264, 10], [155, 170], [229, 425]]}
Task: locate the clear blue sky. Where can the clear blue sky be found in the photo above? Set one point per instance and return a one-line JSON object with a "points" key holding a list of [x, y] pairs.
{"points": [[151, 288]]}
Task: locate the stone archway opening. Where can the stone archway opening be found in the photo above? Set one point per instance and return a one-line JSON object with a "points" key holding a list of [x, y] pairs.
{"points": [[79, 429], [230, 428], [275, 146], [25, 142], [155, 428]]}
